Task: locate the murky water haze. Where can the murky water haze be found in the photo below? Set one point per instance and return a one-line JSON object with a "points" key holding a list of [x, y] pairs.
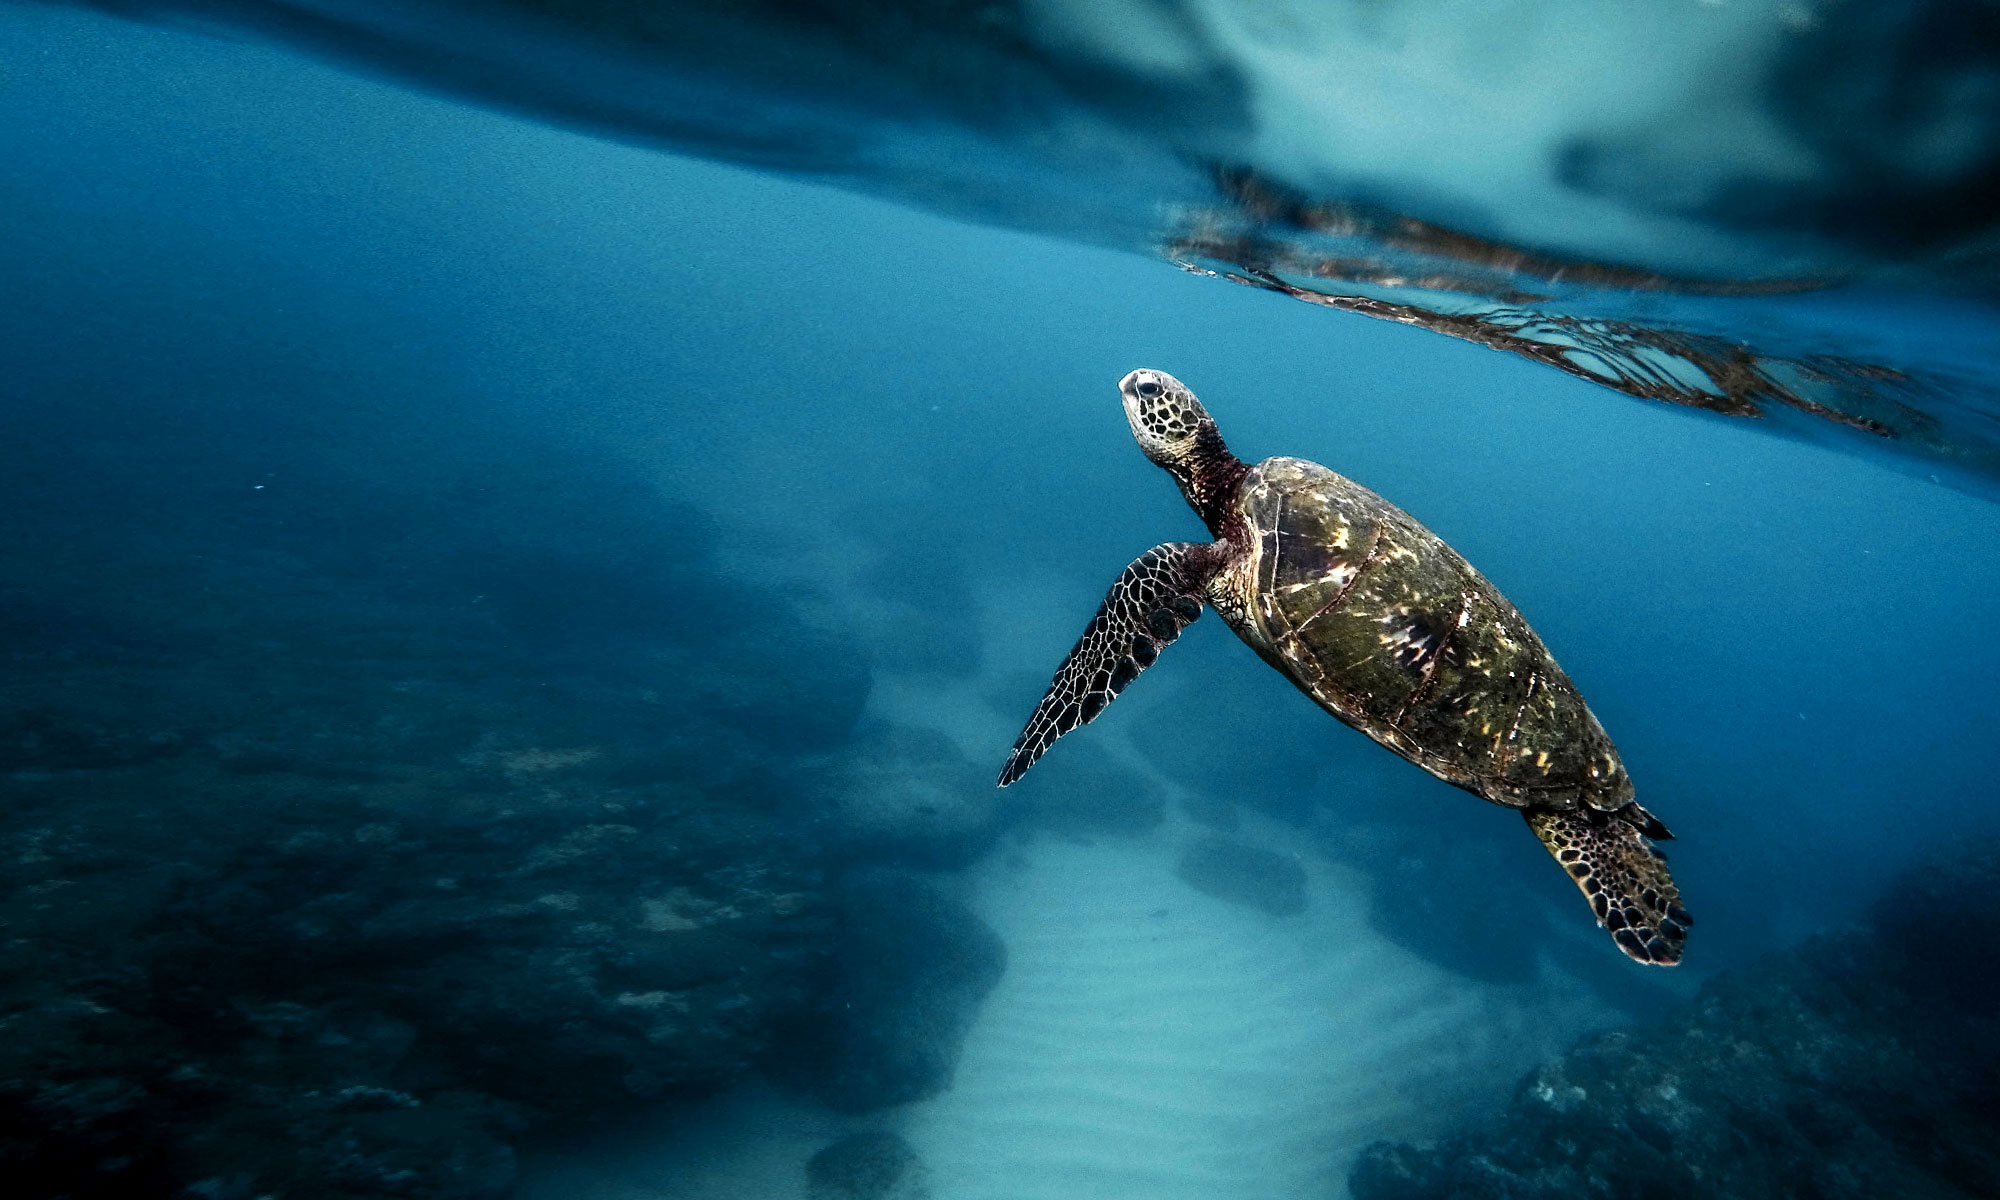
{"points": [[455, 557]]}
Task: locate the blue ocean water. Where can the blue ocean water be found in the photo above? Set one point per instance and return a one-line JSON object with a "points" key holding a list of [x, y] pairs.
{"points": [[509, 632]]}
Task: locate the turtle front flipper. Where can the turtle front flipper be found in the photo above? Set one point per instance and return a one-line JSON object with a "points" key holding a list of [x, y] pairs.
{"points": [[1153, 600], [1612, 859]]}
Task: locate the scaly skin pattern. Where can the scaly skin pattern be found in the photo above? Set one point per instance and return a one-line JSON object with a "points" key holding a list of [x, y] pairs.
{"points": [[1374, 617], [1621, 874], [1147, 607]]}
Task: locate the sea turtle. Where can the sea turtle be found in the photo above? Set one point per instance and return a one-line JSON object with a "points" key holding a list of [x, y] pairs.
{"points": [[1388, 629]]}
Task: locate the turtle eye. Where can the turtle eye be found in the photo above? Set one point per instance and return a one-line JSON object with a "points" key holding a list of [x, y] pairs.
{"points": [[1149, 389]]}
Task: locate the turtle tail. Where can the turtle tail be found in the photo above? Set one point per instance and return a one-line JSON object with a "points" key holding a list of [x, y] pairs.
{"points": [[1611, 857]]}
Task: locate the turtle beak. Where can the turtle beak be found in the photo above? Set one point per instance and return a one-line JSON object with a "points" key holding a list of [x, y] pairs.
{"points": [[1128, 395]]}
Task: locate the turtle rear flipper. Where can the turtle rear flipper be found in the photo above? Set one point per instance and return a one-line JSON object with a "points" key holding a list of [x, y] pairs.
{"points": [[1146, 609], [1621, 874]]}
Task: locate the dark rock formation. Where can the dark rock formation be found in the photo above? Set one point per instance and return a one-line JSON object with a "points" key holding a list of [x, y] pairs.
{"points": [[915, 965], [1863, 1064], [269, 983], [1244, 874], [572, 967], [402, 812], [877, 1165], [901, 795]]}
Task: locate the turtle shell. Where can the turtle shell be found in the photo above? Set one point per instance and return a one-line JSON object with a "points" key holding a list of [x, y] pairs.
{"points": [[1389, 629]]}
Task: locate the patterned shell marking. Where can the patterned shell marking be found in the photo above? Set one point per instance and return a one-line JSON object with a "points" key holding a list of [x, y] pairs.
{"points": [[1374, 617]]}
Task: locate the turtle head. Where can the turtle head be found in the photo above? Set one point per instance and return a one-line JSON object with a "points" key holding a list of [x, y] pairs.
{"points": [[1177, 433], [1167, 421]]}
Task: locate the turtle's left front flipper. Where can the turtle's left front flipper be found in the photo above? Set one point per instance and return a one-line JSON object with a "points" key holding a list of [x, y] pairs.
{"points": [[1153, 600], [1611, 857]]}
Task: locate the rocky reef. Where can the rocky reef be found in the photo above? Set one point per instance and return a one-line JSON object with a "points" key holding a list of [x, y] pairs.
{"points": [[261, 955], [876, 1165], [1862, 1064], [914, 967], [358, 832], [904, 795]]}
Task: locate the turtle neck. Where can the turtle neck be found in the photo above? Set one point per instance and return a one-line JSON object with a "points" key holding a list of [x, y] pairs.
{"points": [[1208, 475]]}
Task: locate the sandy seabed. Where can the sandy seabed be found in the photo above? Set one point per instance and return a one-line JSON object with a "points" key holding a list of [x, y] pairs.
{"points": [[1147, 1042]]}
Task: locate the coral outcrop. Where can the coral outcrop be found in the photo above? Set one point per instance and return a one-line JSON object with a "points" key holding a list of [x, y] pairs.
{"points": [[1862, 1064], [405, 813], [220, 973], [876, 1165]]}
